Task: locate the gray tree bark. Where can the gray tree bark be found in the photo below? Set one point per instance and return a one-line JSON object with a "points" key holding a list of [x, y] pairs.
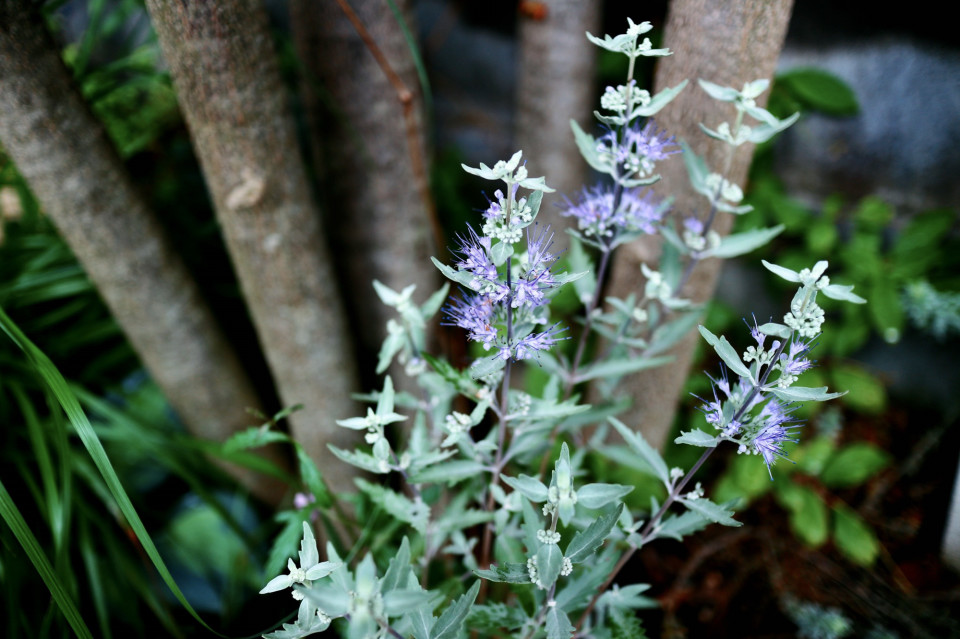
{"points": [[372, 159], [66, 157], [728, 42], [228, 81], [555, 84]]}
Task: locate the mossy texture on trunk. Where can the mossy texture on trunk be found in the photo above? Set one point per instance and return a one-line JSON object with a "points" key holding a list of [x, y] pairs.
{"points": [[728, 42], [70, 164], [227, 76]]}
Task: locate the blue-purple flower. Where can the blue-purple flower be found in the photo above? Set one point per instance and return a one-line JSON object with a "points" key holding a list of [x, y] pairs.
{"points": [[596, 217], [776, 427]]}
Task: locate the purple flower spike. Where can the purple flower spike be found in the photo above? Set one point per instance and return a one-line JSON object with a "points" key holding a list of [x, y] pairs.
{"points": [[531, 344], [474, 314], [473, 251], [770, 439]]}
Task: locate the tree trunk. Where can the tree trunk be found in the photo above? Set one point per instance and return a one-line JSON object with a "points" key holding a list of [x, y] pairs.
{"points": [[373, 167], [556, 84], [728, 42], [74, 171], [227, 77]]}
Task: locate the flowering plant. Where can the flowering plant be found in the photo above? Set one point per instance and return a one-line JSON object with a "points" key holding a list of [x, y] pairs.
{"points": [[487, 535]]}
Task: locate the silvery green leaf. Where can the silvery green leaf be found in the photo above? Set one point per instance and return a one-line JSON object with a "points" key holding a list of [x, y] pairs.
{"points": [[381, 449], [421, 620], [805, 394], [435, 301], [628, 598], [460, 277], [391, 346], [400, 507], [321, 570], [448, 472], [398, 570], [762, 115], [386, 294], [549, 562], [530, 487], [558, 624], [398, 602], [254, 437], [726, 352], [775, 330], [492, 618], [697, 437], [550, 409], [359, 459], [611, 120], [538, 184], [585, 543], [742, 243], [763, 132], [510, 573], [599, 495], [658, 101], [842, 293], [716, 135], [564, 278], [421, 461], [670, 234], [449, 624], [717, 92], [534, 201], [486, 365], [714, 512], [666, 335], [696, 169], [354, 423], [500, 252], [646, 452], [755, 88], [632, 183], [584, 582], [679, 526], [785, 273], [329, 597], [623, 43], [580, 262], [620, 367], [731, 208], [588, 149]]}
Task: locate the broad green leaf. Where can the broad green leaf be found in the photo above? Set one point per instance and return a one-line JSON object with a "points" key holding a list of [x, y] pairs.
{"points": [[658, 101], [628, 598], [854, 464], [865, 393], [398, 602], [820, 90], [500, 252], [646, 452], [785, 273], [808, 513], [854, 537]]}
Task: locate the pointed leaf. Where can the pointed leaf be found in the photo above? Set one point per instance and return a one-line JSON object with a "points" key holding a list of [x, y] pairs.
{"points": [[646, 452], [585, 543], [449, 624]]}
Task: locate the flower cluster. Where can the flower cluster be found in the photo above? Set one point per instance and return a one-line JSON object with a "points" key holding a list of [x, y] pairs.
{"points": [[600, 217], [506, 291], [634, 152]]}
